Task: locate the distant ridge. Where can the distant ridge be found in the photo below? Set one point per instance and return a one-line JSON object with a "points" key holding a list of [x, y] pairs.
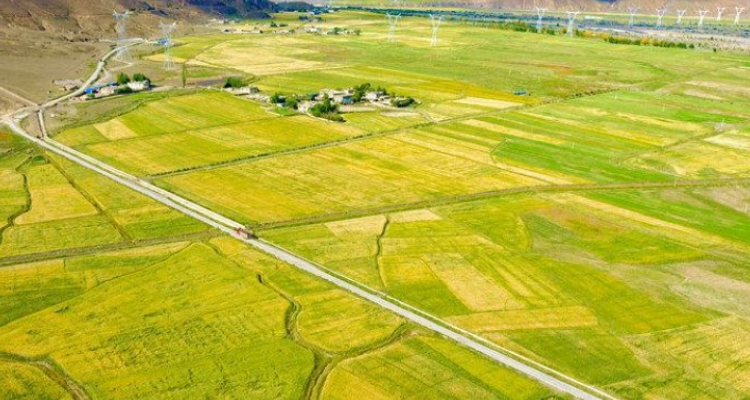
{"points": [[94, 16]]}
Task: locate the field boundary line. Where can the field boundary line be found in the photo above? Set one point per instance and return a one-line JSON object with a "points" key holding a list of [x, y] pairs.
{"points": [[11, 221]]}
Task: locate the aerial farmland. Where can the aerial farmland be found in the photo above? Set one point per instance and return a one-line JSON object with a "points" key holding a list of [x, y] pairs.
{"points": [[404, 201]]}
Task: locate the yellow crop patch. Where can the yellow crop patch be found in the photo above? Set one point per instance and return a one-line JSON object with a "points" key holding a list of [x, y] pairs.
{"points": [[114, 130], [52, 198], [475, 290]]}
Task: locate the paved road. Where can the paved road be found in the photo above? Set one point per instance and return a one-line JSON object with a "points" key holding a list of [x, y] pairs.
{"points": [[530, 368]]}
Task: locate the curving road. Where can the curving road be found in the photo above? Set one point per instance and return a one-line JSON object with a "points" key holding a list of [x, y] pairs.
{"points": [[530, 368]]}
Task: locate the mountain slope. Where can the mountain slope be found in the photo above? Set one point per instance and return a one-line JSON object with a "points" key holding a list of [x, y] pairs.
{"points": [[95, 16]]}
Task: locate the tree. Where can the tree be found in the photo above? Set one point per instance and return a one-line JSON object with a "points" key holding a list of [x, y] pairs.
{"points": [[123, 78], [291, 102], [234, 82], [402, 102], [327, 110], [184, 74], [277, 98], [360, 91], [357, 31], [140, 77]]}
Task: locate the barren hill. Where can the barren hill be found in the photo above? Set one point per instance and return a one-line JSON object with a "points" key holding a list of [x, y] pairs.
{"points": [[94, 16]]}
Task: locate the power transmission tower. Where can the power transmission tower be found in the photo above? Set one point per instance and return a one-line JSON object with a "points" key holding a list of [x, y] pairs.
{"points": [[719, 11], [166, 32], [632, 11], [121, 27], [436, 21], [680, 14], [660, 16], [701, 16], [737, 12], [571, 21], [392, 23], [540, 14]]}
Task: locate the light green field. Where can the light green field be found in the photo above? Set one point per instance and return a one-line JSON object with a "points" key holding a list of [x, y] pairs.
{"points": [[59, 216], [49, 207], [228, 328], [13, 194], [53, 198]]}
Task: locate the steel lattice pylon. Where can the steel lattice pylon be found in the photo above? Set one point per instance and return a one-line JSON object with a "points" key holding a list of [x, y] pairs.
{"points": [[166, 31], [121, 27]]}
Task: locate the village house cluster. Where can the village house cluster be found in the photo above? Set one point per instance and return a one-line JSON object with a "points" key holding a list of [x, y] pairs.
{"points": [[345, 97], [328, 102], [124, 85]]}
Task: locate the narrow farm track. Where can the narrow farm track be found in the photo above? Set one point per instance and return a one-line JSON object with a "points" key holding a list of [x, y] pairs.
{"points": [[322, 358], [52, 371], [379, 252], [448, 200], [12, 219]]}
